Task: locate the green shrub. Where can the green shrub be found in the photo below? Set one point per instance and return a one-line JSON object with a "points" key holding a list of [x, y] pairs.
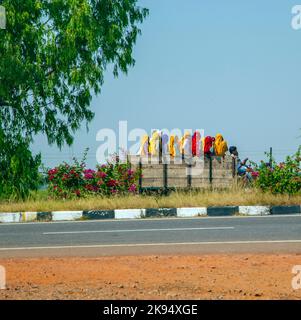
{"points": [[282, 178]]}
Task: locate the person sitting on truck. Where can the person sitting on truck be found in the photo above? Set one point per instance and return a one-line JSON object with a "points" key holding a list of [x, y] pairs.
{"points": [[208, 146], [243, 170], [196, 144], [174, 146], [165, 144], [220, 146], [185, 144], [144, 147], [154, 144]]}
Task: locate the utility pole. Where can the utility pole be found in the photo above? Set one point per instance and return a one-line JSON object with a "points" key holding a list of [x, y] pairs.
{"points": [[271, 157]]}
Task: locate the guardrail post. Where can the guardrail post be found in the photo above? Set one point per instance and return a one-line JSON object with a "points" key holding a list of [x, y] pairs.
{"points": [[189, 177], [210, 170], [160, 150], [140, 176], [165, 177]]}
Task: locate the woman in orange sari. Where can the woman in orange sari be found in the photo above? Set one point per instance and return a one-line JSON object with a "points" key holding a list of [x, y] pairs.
{"points": [[220, 146], [174, 146]]}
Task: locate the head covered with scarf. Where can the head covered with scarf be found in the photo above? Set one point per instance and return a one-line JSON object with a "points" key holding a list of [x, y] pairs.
{"points": [[208, 143], [220, 145], [185, 144], [196, 142], [154, 143], [165, 146], [144, 146]]}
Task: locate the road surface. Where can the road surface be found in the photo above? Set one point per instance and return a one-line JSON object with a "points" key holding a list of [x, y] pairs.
{"points": [[268, 234]]}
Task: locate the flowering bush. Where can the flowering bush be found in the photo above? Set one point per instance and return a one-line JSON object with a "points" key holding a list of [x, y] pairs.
{"points": [[75, 180], [281, 178]]}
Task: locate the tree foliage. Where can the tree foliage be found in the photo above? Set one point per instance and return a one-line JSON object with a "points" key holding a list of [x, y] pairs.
{"points": [[19, 170], [53, 54]]}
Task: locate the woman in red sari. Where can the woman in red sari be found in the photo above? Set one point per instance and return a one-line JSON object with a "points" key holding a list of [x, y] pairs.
{"points": [[208, 145], [196, 141]]}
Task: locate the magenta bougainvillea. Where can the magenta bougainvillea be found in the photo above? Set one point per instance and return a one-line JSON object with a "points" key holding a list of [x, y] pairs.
{"points": [[75, 180]]}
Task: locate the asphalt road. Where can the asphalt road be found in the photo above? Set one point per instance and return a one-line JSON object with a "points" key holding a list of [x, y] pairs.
{"points": [[269, 234]]}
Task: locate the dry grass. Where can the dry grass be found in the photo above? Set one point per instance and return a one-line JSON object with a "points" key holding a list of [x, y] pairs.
{"points": [[175, 199]]}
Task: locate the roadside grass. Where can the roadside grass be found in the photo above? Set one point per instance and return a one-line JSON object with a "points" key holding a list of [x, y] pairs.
{"points": [[231, 197]]}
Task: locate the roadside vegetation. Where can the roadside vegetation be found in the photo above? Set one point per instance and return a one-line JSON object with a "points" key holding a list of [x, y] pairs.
{"points": [[280, 178], [114, 186], [69, 181], [40, 201]]}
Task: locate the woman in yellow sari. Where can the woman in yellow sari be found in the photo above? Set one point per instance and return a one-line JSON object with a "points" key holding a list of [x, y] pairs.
{"points": [[144, 147], [154, 143], [172, 149], [220, 146], [185, 144], [174, 146]]}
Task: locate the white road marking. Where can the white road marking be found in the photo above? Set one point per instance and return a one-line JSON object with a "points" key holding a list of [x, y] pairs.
{"points": [[152, 244], [3, 224], [135, 230]]}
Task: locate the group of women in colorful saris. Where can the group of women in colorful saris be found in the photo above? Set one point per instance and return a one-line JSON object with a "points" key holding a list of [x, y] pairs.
{"points": [[189, 145]]}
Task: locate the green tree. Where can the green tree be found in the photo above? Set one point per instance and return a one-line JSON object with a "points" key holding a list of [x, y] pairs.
{"points": [[53, 55]]}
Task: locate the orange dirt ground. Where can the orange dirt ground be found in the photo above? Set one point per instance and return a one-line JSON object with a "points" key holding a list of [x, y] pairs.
{"points": [[241, 276]]}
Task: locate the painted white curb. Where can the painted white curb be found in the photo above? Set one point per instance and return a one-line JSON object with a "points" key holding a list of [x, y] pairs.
{"points": [[66, 215], [10, 217], [128, 214], [14, 217], [254, 210], [191, 212], [28, 216]]}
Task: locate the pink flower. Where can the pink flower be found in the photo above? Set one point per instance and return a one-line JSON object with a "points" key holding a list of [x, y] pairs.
{"points": [[89, 187], [130, 172], [65, 177], [89, 174], [133, 188], [89, 171], [112, 183], [101, 174], [52, 172]]}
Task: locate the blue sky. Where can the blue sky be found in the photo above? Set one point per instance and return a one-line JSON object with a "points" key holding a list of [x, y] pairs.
{"points": [[232, 67]]}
